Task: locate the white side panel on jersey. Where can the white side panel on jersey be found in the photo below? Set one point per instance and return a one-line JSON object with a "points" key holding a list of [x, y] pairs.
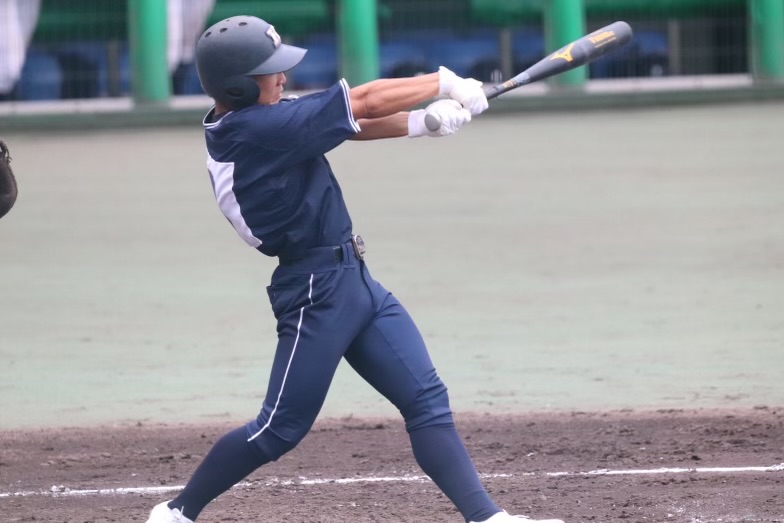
{"points": [[223, 180]]}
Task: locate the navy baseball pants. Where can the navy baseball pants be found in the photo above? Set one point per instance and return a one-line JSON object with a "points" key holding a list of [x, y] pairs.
{"points": [[328, 307]]}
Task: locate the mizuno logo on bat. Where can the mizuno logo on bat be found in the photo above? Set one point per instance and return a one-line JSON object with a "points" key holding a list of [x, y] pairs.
{"points": [[566, 54]]}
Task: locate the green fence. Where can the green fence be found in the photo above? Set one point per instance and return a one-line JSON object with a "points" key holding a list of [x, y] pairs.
{"points": [[114, 48]]}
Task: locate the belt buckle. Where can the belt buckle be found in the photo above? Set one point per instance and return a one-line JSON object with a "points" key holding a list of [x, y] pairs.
{"points": [[359, 246]]}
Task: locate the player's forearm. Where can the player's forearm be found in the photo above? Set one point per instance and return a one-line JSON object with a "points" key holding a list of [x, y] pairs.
{"points": [[393, 126], [386, 97]]}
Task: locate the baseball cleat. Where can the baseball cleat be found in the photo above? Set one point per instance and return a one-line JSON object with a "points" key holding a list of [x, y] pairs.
{"points": [[504, 517], [161, 513]]}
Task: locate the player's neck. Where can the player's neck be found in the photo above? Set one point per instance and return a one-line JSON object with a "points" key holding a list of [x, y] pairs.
{"points": [[220, 110]]}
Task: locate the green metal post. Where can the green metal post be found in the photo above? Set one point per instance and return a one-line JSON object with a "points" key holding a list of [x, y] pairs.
{"points": [[147, 35], [358, 22], [767, 39], [564, 22]]}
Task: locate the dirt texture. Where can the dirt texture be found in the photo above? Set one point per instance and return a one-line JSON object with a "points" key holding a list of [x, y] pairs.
{"points": [[42, 471]]}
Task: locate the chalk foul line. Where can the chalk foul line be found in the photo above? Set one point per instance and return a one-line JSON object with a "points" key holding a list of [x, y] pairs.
{"points": [[62, 491]]}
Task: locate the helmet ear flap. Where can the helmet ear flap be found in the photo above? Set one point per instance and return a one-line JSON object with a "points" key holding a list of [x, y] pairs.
{"points": [[240, 91]]}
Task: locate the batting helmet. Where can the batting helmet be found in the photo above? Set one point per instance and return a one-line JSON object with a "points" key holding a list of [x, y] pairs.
{"points": [[233, 50]]}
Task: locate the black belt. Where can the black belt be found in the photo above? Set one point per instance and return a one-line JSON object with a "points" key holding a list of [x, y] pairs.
{"points": [[328, 255]]}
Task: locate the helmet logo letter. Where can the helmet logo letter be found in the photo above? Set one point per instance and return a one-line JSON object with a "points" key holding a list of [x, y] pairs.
{"points": [[273, 34]]}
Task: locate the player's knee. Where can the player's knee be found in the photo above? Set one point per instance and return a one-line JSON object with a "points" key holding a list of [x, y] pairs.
{"points": [[275, 443], [430, 408]]}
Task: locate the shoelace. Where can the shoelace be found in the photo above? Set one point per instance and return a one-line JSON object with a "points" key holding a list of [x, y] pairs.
{"points": [[178, 517]]}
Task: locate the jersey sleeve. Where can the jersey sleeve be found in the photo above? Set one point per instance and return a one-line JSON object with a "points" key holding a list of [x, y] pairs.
{"points": [[308, 126]]}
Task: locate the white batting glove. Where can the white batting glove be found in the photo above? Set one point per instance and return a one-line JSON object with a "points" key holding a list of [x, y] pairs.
{"points": [[467, 91], [450, 113]]}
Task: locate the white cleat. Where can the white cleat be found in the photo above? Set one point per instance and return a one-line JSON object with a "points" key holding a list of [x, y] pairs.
{"points": [[504, 517], [161, 513]]}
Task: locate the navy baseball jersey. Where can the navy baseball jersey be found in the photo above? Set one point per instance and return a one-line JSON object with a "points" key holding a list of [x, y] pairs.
{"points": [[270, 176]]}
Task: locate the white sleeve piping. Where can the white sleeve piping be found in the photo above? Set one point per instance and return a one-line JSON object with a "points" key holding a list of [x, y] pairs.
{"points": [[347, 99]]}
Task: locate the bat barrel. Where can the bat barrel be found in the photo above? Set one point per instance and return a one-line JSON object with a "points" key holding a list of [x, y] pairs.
{"points": [[604, 40], [580, 52]]}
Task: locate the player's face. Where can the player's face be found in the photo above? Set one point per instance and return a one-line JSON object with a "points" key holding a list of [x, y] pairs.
{"points": [[270, 87]]}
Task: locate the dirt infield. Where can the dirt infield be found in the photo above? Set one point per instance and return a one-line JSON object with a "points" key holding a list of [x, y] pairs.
{"points": [[736, 457], [612, 262]]}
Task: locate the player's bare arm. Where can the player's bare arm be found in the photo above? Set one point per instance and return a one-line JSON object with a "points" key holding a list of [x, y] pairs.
{"points": [[392, 126], [380, 96], [449, 113], [385, 97], [379, 106]]}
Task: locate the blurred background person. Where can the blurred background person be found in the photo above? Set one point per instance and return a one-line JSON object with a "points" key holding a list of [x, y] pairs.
{"points": [[187, 20], [18, 19]]}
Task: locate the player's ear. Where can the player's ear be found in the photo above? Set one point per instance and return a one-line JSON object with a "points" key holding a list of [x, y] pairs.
{"points": [[241, 91]]}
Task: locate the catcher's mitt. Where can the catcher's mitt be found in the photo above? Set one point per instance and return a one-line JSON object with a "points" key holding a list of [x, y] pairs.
{"points": [[8, 189], [4, 154]]}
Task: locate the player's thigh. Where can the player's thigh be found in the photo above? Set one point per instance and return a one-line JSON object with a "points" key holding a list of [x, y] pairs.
{"points": [[304, 365], [391, 355], [314, 332]]}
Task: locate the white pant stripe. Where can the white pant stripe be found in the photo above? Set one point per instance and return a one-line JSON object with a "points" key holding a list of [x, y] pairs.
{"points": [[288, 366]]}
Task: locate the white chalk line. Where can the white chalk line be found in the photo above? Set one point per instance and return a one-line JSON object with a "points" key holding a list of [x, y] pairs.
{"points": [[61, 491]]}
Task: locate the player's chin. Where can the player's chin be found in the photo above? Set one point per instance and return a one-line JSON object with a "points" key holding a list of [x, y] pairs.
{"points": [[270, 100]]}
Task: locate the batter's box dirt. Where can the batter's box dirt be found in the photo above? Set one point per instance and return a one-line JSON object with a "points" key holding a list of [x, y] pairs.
{"points": [[657, 467]]}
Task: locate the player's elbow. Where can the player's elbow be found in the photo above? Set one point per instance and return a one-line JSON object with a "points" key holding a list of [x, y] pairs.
{"points": [[365, 102]]}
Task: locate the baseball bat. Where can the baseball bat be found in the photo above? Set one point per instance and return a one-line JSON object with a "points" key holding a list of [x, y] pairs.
{"points": [[580, 52]]}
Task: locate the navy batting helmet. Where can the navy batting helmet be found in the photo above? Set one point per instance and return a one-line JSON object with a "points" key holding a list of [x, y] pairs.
{"points": [[233, 50]]}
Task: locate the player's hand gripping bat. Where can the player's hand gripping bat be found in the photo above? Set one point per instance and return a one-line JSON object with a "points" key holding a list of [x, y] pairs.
{"points": [[580, 52]]}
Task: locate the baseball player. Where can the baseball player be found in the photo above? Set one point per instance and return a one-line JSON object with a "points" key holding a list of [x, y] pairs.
{"points": [[274, 185], [8, 189]]}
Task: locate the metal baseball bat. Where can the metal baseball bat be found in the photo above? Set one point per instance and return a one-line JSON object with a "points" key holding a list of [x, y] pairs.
{"points": [[580, 52]]}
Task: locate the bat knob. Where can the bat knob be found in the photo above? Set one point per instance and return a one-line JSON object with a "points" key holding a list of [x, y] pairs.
{"points": [[432, 122]]}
